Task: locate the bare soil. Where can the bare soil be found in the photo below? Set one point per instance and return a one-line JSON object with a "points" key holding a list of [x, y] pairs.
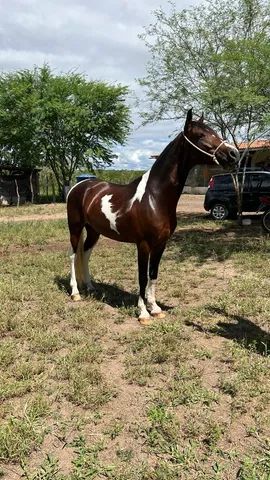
{"points": [[202, 283], [187, 204]]}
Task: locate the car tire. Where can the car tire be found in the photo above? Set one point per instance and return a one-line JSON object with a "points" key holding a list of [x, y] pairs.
{"points": [[266, 221], [219, 211]]}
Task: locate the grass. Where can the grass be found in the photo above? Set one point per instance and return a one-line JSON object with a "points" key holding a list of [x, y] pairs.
{"points": [[9, 212], [87, 393]]}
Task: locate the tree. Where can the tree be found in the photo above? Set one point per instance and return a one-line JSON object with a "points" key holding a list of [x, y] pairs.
{"points": [[20, 122], [214, 57], [64, 122]]}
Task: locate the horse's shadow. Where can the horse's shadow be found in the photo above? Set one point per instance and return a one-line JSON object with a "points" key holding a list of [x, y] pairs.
{"points": [[110, 294], [240, 329]]}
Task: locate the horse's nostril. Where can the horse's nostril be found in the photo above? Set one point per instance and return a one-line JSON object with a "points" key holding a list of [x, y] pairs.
{"points": [[234, 154]]}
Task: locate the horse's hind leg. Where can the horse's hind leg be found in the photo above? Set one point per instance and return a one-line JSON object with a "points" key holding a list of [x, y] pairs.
{"points": [[90, 241], [75, 239], [155, 258], [143, 261]]}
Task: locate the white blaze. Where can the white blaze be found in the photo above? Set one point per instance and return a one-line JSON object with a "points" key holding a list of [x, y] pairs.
{"points": [[106, 208]]}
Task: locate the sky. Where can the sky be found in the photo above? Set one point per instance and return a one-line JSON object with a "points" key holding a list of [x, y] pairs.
{"points": [[98, 38]]}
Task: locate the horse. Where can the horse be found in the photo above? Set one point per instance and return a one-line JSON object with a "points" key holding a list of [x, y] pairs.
{"points": [[142, 212]]}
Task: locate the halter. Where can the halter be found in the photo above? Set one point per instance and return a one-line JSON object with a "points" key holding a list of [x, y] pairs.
{"points": [[212, 155]]}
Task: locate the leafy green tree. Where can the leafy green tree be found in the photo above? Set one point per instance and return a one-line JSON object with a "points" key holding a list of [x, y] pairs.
{"points": [[64, 122], [214, 57], [20, 119]]}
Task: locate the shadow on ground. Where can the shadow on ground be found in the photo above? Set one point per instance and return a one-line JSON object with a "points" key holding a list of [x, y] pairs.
{"points": [[110, 294], [238, 328], [218, 241]]}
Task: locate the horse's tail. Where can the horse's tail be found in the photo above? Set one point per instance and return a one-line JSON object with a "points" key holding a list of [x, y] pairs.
{"points": [[79, 260]]}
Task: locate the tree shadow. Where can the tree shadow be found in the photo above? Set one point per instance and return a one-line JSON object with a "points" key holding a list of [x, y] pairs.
{"points": [[110, 294], [239, 329], [205, 242]]}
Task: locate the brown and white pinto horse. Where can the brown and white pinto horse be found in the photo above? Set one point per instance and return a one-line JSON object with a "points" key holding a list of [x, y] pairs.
{"points": [[142, 212]]}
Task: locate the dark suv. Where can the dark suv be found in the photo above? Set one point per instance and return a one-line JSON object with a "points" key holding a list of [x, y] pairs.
{"points": [[221, 197]]}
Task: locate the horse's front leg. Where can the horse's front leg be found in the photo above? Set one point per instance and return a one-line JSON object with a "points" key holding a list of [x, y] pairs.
{"points": [[155, 258], [143, 262]]}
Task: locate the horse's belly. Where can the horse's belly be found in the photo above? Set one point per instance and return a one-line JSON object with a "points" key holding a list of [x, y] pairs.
{"points": [[114, 230]]}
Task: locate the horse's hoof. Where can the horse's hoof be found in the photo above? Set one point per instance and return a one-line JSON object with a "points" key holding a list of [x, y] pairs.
{"points": [[76, 297], [145, 321], [158, 315]]}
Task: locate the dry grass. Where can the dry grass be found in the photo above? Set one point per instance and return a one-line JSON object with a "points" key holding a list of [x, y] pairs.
{"points": [[87, 393]]}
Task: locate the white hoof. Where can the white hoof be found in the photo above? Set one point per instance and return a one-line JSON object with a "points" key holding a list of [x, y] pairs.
{"points": [[155, 310], [158, 314], [76, 297], [144, 321]]}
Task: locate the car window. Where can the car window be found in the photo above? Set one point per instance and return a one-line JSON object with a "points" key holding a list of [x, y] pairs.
{"points": [[224, 179], [247, 180], [266, 182], [255, 181], [223, 182]]}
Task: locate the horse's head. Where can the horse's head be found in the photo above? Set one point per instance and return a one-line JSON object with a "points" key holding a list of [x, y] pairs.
{"points": [[209, 148]]}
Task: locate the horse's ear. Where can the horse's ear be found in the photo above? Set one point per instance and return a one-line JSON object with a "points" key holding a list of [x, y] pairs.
{"points": [[201, 119], [188, 119]]}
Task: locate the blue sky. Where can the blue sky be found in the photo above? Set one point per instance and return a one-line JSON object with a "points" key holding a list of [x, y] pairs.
{"points": [[96, 38]]}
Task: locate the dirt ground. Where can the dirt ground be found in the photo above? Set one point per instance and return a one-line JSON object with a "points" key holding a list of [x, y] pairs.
{"points": [[191, 204], [187, 204], [190, 394]]}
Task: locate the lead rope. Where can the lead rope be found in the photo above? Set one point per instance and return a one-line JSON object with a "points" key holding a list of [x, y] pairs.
{"points": [[212, 155]]}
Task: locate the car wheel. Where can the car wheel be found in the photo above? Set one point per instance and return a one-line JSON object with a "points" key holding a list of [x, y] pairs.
{"points": [[219, 211], [266, 221]]}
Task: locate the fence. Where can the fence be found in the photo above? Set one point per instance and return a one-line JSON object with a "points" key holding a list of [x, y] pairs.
{"points": [[48, 190]]}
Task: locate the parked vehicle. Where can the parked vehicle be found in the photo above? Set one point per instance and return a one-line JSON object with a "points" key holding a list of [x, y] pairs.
{"points": [[221, 196]]}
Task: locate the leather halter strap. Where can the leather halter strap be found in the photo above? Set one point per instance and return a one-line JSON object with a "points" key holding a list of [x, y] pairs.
{"points": [[212, 155]]}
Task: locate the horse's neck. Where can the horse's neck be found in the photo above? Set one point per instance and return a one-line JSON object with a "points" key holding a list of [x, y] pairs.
{"points": [[169, 173]]}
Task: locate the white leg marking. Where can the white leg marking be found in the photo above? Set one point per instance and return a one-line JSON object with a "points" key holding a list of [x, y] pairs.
{"points": [[106, 208], [143, 311], [73, 281], [140, 189], [86, 274], [151, 297]]}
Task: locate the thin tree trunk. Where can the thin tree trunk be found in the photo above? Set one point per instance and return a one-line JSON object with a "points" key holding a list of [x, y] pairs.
{"points": [[31, 186], [47, 187], [17, 192], [53, 188]]}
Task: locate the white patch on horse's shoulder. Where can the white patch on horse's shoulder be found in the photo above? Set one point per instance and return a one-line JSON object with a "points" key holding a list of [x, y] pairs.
{"points": [[140, 189], [106, 208]]}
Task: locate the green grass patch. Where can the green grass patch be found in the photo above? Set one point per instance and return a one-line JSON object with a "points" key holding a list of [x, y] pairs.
{"points": [[184, 399]]}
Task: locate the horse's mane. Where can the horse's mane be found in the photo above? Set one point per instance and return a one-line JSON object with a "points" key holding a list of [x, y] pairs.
{"points": [[169, 147]]}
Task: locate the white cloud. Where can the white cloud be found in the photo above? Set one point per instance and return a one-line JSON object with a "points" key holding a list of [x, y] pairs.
{"points": [[99, 39]]}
